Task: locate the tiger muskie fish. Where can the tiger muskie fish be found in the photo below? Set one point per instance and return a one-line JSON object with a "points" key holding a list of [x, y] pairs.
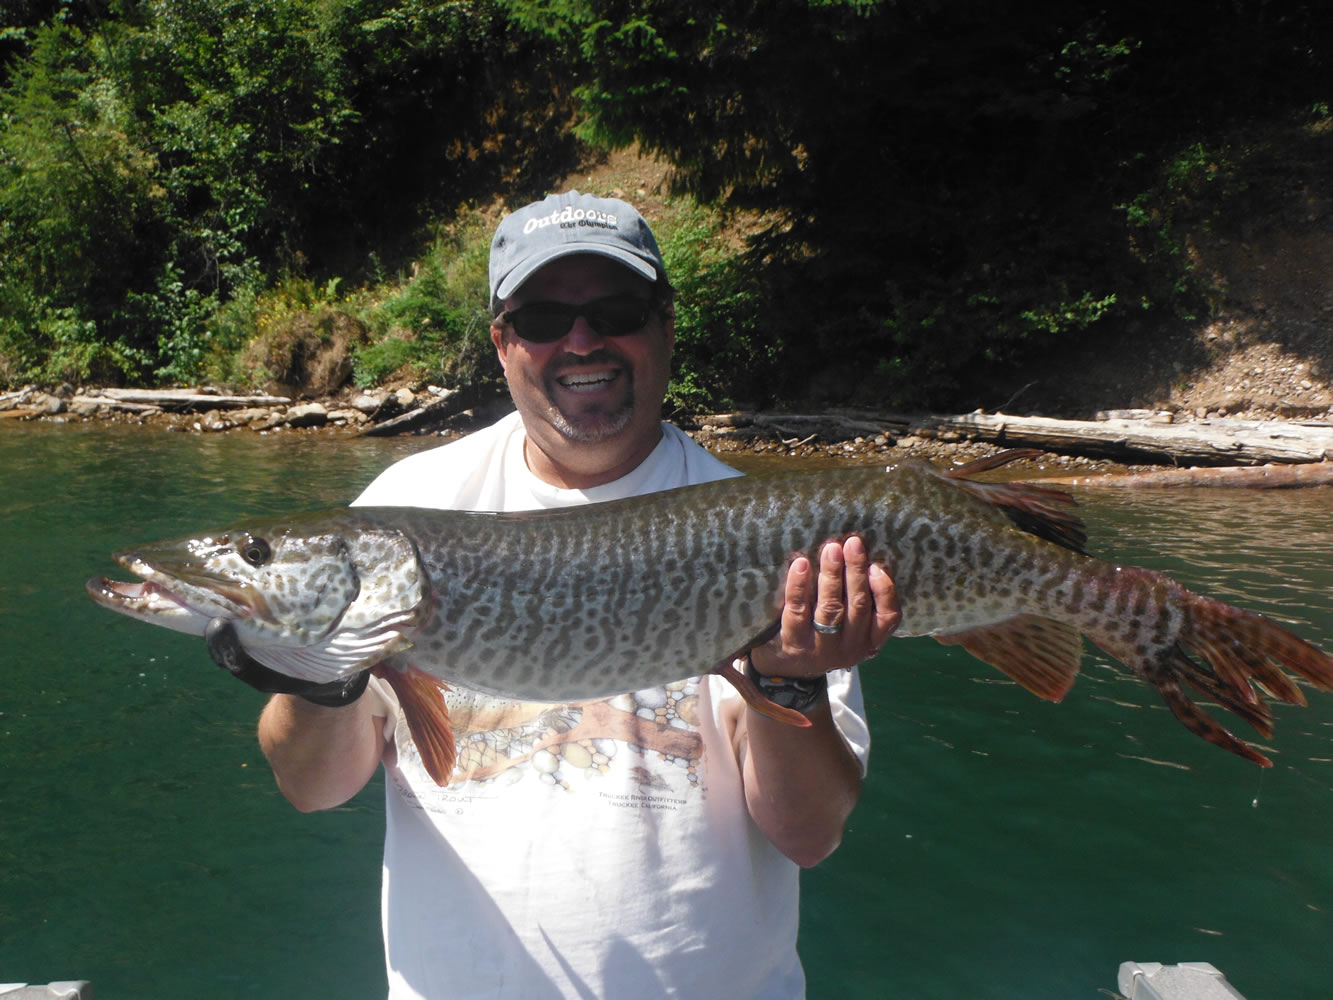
{"points": [[587, 602]]}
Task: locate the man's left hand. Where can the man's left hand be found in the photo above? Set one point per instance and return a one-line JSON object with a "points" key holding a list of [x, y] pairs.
{"points": [[849, 594]]}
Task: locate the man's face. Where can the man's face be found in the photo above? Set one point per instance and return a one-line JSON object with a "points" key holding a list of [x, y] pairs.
{"points": [[591, 404]]}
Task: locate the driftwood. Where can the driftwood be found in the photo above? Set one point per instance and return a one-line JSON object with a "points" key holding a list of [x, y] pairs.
{"points": [[1147, 438], [1253, 477], [119, 405], [1203, 442], [178, 399]]}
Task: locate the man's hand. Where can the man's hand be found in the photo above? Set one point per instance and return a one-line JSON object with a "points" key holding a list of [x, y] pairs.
{"points": [[228, 653], [854, 601]]}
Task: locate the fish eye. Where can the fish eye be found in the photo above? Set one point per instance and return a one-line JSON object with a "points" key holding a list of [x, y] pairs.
{"points": [[255, 551]]}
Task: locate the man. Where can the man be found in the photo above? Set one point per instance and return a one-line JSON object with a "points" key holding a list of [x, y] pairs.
{"points": [[644, 846]]}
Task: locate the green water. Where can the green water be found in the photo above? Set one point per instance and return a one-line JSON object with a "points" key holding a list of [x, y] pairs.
{"points": [[1005, 848]]}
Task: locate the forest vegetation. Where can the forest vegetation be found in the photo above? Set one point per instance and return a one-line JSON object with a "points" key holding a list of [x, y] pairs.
{"points": [[869, 201]]}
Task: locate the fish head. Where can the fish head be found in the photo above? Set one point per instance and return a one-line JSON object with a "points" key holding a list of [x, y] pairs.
{"points": [[314, 598]]}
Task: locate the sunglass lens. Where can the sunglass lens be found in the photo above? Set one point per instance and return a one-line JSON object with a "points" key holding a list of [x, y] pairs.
{"points": [[615, 317], [543, 322]]}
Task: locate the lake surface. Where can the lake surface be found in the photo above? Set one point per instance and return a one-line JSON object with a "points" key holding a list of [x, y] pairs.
{"points": [[1005, 847]]}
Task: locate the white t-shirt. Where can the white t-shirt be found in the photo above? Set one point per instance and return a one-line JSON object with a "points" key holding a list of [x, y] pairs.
{"points": [[593, 850]]}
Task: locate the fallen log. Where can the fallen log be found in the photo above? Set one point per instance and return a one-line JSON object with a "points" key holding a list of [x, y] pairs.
{"points": [[186, 399], [1248, 476], [1131, 436], [1204, 442], [119, 405]]}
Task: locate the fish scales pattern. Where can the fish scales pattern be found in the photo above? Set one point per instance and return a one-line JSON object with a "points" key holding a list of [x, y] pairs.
{"points": [[622, 593], [675, 582], [562, 605]]}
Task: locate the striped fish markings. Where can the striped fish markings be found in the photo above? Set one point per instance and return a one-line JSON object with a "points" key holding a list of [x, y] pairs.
{"points": [[586, 602]]}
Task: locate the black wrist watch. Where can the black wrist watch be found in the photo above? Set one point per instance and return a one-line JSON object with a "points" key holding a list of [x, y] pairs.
{"points": [[797, 693]]}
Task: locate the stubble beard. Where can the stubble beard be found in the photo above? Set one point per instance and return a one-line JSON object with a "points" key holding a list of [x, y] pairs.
{"points": [[592, 426], [595, 425]]}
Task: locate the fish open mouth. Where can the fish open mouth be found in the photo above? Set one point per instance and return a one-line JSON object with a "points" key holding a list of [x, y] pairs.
{"points": [[149, 602], [173, 601], [144, 598]]}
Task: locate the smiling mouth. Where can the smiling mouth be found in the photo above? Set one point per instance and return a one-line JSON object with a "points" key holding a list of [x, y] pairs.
{"points": [[587, 381]]}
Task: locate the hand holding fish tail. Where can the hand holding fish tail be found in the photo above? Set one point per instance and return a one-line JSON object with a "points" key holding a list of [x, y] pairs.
{"points": [[852, 598]]}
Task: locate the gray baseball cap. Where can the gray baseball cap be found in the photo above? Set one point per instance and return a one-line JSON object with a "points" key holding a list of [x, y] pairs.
{"points": [[564, 224]]}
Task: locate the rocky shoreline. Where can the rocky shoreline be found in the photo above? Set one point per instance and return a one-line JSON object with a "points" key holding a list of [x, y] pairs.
{"points": [[202, 410], [1078, 448], [208, 411]]}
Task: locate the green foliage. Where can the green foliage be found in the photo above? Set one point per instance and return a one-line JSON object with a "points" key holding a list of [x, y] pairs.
{"points": [[943, 178], [943, 187], [435, 322], [78, 200], [721, 354], [1066, 316], [378, 361], [175, 154], [180, 315]]}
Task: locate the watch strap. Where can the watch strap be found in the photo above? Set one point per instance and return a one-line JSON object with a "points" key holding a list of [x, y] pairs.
{"points": [[797, 693]]}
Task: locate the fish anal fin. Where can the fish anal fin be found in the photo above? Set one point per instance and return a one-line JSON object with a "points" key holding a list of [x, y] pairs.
{"points": [[1041, 654], [757, 700], [421, 698]]}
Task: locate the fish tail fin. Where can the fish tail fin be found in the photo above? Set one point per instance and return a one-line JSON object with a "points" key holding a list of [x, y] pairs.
{"points": [[757, 700], [421, 698], [1235, 657]]}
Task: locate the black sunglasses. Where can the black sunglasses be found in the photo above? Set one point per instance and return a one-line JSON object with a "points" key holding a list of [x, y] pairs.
{"points": [[546, 322]]}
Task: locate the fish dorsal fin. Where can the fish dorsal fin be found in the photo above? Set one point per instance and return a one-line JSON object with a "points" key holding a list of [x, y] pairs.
{"points": [[1041, 654], [1039, 510], [989, 462], [421, 698]]}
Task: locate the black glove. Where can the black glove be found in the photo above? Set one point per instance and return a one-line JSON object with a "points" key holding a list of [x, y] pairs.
{"points": [[227, 653]]}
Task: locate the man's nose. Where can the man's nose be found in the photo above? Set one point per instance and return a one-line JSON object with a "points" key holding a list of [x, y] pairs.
{"points": [[582, 338]]}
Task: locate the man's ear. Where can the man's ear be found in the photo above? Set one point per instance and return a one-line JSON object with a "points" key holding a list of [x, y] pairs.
{"points": [[498, 339]]}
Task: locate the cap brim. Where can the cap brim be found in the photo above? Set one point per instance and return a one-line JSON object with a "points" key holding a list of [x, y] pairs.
{"points": [[512, 281]]}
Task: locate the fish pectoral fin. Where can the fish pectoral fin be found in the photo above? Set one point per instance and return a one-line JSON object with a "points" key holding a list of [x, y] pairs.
{"points": [[1041, 654], [421, 698]]}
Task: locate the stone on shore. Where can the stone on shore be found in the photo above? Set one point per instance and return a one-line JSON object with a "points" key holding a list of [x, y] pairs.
{"points": [[307, 415]]}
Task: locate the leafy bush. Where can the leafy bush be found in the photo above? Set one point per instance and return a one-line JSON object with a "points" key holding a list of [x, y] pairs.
{"points": [[436, 321], [721, 355], [184, 152]]}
